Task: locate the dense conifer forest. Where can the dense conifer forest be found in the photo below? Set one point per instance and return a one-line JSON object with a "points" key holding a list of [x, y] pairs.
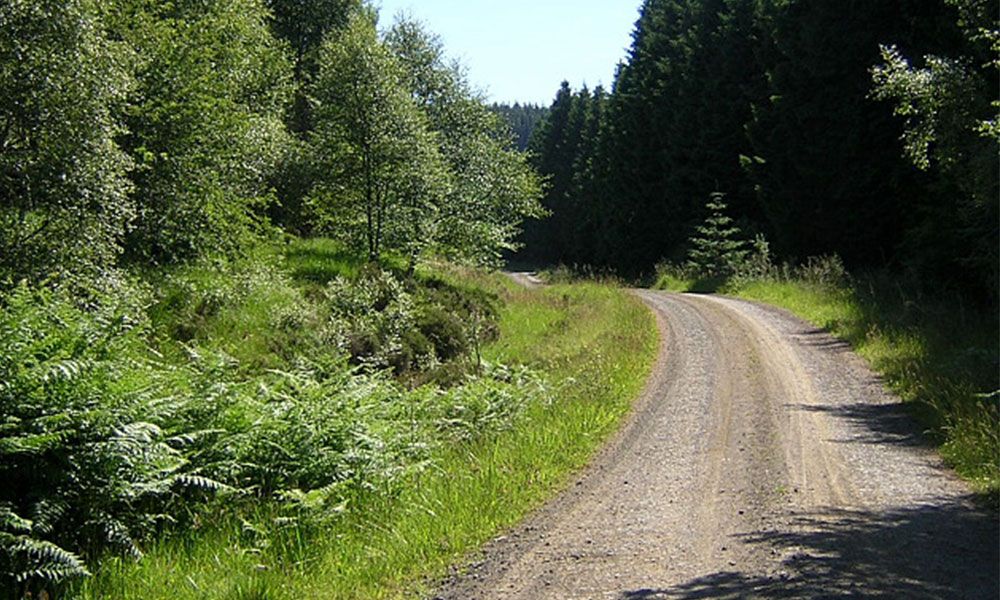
{"points": [[864, 129], [522, 118]]}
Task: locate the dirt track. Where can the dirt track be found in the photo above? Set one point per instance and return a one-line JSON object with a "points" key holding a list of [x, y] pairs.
{"points": [[528, 279], [763, 460]]}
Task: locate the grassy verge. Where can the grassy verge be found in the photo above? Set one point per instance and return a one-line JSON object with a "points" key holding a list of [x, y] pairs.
{"points": [[593, 344], [937, 353]]}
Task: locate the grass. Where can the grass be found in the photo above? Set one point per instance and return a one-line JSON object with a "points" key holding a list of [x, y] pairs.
{"points": [[321, 260], [598, 345], [939, 353], [593, 343], [260, 310]]}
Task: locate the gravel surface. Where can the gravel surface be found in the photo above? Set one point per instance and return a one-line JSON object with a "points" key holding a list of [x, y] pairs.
{"points": [[528, 279], [764, 460]]}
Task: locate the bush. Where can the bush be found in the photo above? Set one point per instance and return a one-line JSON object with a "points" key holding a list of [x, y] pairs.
{"points": [[104, 444], [413, 328], [311, 437], [369, 318], [757, 263], [824, 271]]}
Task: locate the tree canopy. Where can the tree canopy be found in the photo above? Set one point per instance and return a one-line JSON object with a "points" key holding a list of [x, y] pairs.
{"points": [[136, 132], [64, 188]]}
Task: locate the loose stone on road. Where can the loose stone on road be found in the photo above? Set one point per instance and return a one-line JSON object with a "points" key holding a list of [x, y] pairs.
{"points": [[763, 460]]}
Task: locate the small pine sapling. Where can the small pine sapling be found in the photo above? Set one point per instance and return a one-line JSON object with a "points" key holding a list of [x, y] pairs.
{"points": [[716, 250]]}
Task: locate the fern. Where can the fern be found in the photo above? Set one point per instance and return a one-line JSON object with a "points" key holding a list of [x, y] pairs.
{"points": [[25, 560], [84, 447], [102, 445]]}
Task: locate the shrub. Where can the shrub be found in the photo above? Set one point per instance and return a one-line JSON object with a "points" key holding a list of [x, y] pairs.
{"points": [[824, 271], [380, 322], [758, 263], [310, 436], [369, 318]]}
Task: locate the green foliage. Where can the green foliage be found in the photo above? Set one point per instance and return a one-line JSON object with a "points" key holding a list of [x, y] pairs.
{"points": [[319, 261], [381, 173], [492, 187], [205, 123], [304, 24], [716, 249], [369, 317], [563, 147], [950, 108], [522, 119], [415, 330], [108, 445], [63, 178], [90, 457], [721, 95], [249, 309], [505, 435]]}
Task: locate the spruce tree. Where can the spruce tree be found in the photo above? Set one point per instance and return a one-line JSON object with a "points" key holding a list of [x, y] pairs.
{"points": [[717, 249]]}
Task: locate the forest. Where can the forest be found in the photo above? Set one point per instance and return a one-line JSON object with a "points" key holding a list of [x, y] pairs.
{"points": [[252, 333], [865, 129], [523, 120]]}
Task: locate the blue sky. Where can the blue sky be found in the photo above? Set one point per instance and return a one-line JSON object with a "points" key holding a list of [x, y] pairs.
{"points": [[520, 50]]}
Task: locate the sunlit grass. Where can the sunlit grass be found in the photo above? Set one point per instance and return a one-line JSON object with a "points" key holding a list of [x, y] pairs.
{"points": [[594, 344], [319, 260], [598, 336]]}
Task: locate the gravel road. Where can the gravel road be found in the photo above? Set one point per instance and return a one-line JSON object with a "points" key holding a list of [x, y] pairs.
{"points": [[764, 460], [528, 279]]}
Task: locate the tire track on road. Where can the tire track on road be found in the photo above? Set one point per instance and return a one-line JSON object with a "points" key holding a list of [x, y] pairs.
{"points": [[762, 460]]}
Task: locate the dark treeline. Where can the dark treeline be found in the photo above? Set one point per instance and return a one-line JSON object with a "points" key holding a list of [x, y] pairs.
{"points": [[522, 118], [861, 128]]}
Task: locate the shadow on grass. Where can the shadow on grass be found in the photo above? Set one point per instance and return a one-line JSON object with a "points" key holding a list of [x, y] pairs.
{"points": [[944, 550], [321, 261]]}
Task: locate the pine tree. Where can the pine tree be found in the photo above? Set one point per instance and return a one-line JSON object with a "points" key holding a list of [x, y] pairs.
{"points": [[522, 119], [716, 250], [829, 176]]}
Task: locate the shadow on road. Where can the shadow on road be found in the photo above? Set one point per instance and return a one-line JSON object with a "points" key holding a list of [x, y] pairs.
{"points": [[940, 551], [875, 423]]}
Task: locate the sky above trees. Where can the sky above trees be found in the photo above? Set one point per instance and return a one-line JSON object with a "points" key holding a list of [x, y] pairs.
{"points": [[519, 50]]}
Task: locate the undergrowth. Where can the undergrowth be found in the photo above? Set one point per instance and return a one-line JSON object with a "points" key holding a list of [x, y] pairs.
{"points": [[293, 423], [576, 357]]}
